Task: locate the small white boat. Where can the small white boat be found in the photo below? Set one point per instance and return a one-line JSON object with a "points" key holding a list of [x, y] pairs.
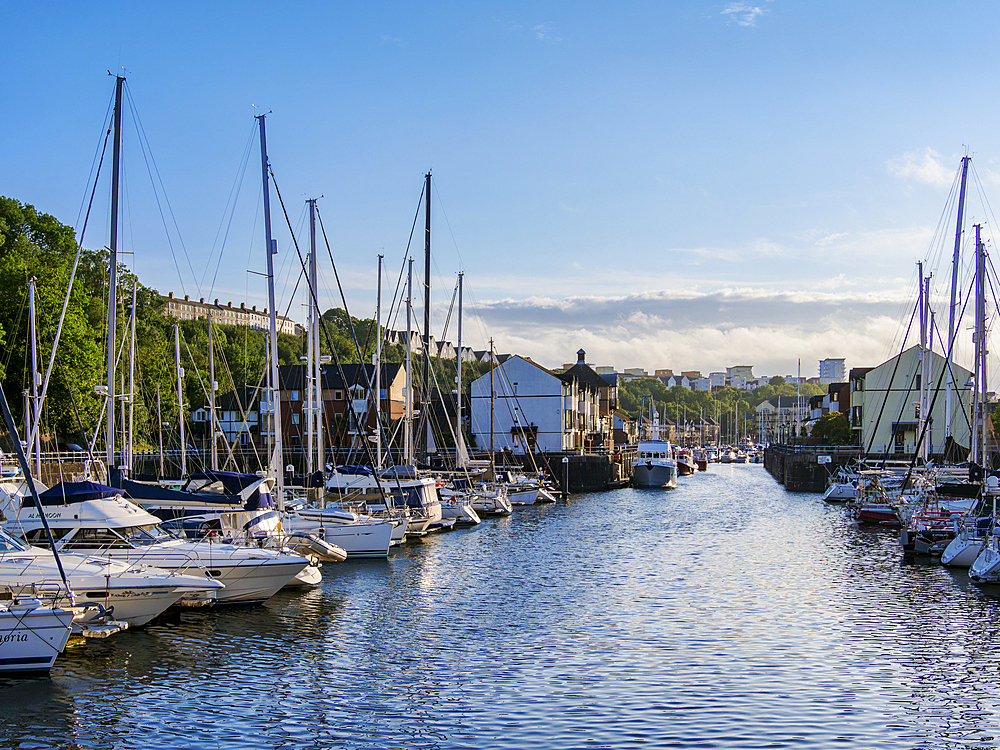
{"points": [[462, 512], [985, 569], [490, 499], [359, 536], [963, 550], [31, 635]]}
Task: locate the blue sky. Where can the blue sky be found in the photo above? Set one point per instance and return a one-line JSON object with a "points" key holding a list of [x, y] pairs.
{"points": [[665, 184]]}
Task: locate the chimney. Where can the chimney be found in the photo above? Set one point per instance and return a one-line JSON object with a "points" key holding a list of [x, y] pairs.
{"points": [[581, 357], [170, 295]]}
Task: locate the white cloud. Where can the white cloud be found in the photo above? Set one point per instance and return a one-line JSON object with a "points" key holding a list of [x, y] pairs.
{"points": [[707, 331], [541, 32], [926, 167], [742, 14], [830, 239]]}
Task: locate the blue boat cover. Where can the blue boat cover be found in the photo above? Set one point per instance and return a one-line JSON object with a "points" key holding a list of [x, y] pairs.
{"points": [[233, 482], [65, 493], [364, 471]]}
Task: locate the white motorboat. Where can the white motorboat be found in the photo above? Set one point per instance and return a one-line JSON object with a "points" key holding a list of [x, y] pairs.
{"points": [[485, 498], [135, 594], [359, 536], [842, 486], [840, 492], [31, 635], [95, 519], [461, 512], [521, 490], [653, 466]]}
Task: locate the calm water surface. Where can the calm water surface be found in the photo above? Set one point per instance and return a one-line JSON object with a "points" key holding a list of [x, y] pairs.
{"points": [[727, 613]]}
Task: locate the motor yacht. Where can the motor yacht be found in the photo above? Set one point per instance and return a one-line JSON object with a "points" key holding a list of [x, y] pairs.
{"points": [[134, 593], [95, 519]]}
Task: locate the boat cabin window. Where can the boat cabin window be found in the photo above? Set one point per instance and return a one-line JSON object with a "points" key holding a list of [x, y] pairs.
{"points": [[90, 538], [39, 538]]}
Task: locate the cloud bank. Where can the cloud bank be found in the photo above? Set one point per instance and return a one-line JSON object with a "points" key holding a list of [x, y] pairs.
{"points": [[707, 332]]}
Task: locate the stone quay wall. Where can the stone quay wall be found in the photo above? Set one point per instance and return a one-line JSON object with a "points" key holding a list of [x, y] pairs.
{"points": [[800, 469]]}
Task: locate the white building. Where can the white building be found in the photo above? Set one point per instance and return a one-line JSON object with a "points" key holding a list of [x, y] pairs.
{"points": [[533, 406], [701, 384]]}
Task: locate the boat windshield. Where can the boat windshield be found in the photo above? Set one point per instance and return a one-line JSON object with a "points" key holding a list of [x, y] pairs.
{"points": [[145, 534], [10, 544]]}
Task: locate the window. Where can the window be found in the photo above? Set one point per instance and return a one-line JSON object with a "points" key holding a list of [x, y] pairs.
{"points": [[338, 395], [294, 396], [295, 418]]}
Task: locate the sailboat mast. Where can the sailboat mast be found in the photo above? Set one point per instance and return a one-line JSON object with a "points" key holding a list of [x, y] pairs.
{"points": [[131, 377], [270, 248], [459, 450], [33, 413], [922, 307], [426, 390], [311, 354], [408, 420], [180, 397], [378, 367], [927, 370], [159, 427], [211, 395], [978, 416], [113, 273], [984, 446], [492, 397], [949, 376], [31, 410], [317, 369]]}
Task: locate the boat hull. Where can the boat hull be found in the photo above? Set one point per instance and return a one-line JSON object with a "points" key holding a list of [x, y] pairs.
{"points": [[654, 475], [31, 636], [358, 540], [961, 552]]}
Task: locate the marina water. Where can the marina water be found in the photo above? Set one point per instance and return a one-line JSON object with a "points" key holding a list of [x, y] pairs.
{"points": [[726, 613]]}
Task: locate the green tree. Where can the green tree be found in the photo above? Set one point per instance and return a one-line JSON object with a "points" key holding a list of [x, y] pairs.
{"points": [[34, 244], [834, 429]]}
